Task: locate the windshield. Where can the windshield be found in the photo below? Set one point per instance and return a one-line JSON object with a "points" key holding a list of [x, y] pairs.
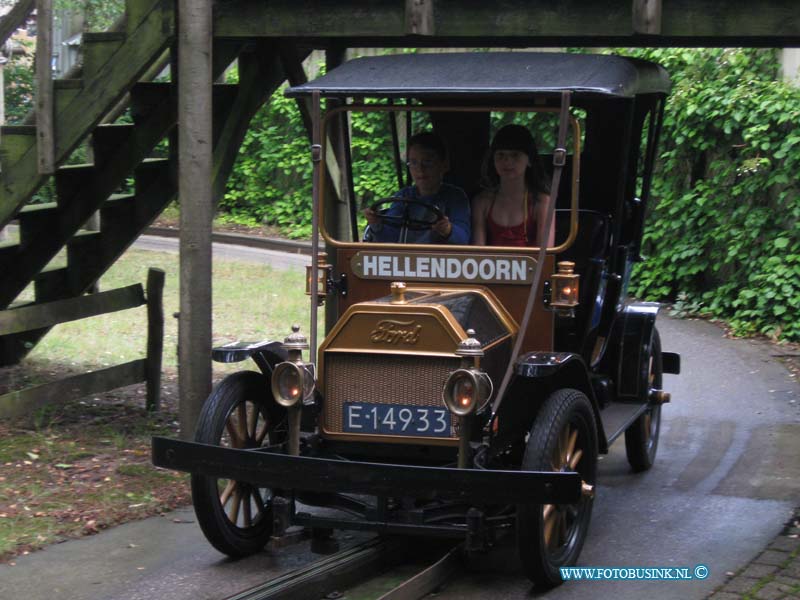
{"points": [[446, 176]]}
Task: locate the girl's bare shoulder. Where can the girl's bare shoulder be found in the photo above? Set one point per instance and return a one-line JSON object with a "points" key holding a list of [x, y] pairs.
{"points": [[482, 199]]}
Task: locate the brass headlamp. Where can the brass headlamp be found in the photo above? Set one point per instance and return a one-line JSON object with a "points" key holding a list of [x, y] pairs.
{"points": [[293, 380], [467, 389]]}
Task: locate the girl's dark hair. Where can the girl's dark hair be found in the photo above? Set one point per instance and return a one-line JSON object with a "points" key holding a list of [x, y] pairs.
{"points": [[428, 141], [517, 137]]}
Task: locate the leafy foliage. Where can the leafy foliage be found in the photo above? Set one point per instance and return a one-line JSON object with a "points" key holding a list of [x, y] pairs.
{"points": [[271, 179], [723, 237], [18, 85], [99, 14]]}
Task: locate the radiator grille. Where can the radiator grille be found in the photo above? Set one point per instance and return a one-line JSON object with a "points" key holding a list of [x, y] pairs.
{"points": [[383, 379]]}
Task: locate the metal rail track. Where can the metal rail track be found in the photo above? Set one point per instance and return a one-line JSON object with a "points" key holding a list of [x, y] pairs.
{"points": [[370, 570]]}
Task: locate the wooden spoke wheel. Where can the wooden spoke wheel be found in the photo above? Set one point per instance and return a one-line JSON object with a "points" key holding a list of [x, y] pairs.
{"points": [[563, 438], [236, 517], [641, 437]]}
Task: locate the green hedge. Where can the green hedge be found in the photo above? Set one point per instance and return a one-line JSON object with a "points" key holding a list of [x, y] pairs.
{"points": [[271, 179], [723, 238]]}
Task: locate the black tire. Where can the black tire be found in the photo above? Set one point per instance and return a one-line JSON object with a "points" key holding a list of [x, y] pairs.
{"points": [[641, 437], [550, 536], [236, 517]]}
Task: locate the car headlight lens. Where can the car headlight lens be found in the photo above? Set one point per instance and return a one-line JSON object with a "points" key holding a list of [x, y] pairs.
{"points": [[291, 383], [466, 391]]}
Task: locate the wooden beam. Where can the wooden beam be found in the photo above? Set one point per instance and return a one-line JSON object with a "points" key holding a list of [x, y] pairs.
{"points": [[293, 65], [194, 191], [647, 17], [260, 74], [23, 402], [15, 19], [45, 133], [514, 22], [27, 318]]}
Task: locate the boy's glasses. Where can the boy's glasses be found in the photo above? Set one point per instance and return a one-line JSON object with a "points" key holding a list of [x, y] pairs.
{"points": [[420, 164]]}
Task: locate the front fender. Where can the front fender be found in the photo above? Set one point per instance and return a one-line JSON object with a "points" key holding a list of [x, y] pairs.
{"points": [[628, 350], [536, 376], [265, 354]]}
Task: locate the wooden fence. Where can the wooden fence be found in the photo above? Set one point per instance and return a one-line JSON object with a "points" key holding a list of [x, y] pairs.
{"points": [[148, 369]]}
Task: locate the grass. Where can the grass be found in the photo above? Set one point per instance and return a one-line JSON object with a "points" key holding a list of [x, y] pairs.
{"points": [[250, 302], [74, 469], [85, 467]]}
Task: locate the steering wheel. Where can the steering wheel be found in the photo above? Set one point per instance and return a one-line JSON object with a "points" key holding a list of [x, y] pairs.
{"points": [[431, 215]]}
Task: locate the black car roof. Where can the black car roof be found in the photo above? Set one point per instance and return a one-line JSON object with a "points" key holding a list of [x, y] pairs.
{"points": [[482, 73]]}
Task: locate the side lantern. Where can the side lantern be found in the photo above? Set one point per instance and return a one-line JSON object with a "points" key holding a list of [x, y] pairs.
{"points": [[565, 285], [323, 283]]}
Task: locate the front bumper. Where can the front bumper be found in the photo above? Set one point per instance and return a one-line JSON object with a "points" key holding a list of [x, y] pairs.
{"points": [[273, 470]]}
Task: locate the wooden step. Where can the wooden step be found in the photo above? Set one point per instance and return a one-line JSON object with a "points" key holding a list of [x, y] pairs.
{"points": [[108, 139], [98, 49], [119, 209], [37, 221], [8, 251], [85, 252], [52, 283], [155, 177], [147, 96], [71, 180], [65, 91], [15, 141]]}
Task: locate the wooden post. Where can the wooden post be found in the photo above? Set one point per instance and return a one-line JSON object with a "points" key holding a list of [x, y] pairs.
{"points": [[194, 190], [419, 17], [647, 17], [45, 137], [155, 336]]}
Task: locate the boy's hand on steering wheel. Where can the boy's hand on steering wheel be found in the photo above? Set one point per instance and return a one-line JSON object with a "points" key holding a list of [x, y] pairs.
{"points": [[371, 216], [443, 227]]}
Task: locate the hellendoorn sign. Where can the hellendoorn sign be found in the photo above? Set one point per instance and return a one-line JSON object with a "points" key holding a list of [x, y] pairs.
{"points": [[410, 266]]}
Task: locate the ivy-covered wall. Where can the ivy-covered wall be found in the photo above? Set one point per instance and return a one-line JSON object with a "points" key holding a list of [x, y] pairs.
{"points": [[723, 238]]}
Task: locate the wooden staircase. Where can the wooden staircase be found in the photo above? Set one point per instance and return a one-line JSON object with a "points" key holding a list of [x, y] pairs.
{"points": [[113, 64]]}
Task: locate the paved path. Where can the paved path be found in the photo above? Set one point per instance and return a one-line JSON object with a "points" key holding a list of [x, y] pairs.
{"points": [[726, 478], [275, 258]]}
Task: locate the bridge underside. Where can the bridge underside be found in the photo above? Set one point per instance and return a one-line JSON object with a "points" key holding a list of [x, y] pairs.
{"points": [[513, 23]]}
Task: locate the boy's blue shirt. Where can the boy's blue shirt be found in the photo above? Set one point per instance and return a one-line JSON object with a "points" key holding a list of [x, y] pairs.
{"points": [[449, 199]]}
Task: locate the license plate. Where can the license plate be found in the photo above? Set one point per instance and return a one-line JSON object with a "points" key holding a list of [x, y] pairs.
{"points": [[394, 419]]}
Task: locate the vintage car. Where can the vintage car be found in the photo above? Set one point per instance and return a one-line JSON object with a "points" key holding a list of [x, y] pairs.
{"points": [[458, 390]]}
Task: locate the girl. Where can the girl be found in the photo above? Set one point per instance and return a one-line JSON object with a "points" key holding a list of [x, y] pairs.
{"points": [[513, 211]]}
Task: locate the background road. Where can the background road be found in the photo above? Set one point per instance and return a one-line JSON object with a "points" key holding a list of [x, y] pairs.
{"points": [[725, 481]]}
